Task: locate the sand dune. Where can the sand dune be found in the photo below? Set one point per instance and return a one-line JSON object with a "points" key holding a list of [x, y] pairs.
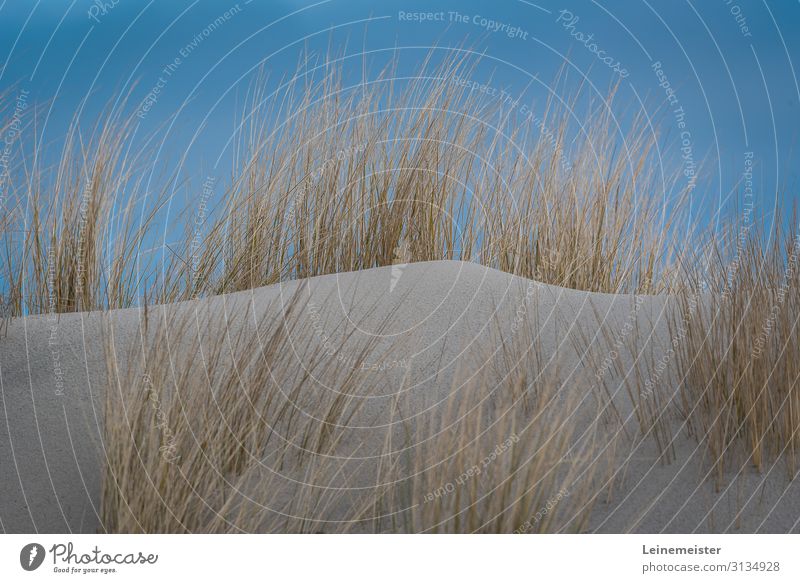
{"points": [[418, 335]]}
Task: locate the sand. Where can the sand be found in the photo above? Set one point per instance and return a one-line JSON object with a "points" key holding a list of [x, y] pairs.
{"points": [[429, 326]]}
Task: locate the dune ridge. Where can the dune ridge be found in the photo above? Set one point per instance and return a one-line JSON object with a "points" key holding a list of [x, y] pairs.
{"points": [[418, 346]]}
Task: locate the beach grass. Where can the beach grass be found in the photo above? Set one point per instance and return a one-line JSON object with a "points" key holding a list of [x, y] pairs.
{"points": [[329, 178]]}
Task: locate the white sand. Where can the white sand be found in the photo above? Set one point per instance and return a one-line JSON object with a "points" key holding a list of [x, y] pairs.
{"points": [[444, 319]]}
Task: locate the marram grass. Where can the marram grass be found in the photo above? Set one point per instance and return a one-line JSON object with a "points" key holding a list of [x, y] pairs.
{"points": [[329, 178]]}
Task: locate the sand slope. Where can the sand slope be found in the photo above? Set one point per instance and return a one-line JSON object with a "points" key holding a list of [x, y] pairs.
{"points": [[428, 326]]}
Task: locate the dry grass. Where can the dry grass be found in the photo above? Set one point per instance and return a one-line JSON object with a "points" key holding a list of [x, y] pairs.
{"points": [[513, 464], [739, 359], [728, 370], [248, 441], [74, 232], [330, 178], [353, 173], [187, 415]]}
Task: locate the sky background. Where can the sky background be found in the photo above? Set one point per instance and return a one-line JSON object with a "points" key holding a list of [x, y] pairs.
{"points": [[731, 65]]}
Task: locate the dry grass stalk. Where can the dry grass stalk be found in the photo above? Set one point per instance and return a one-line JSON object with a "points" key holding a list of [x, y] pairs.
{"points": [[740, 355], [329, 178], [351, 172], [187, 416], [241, 443], [74, 233]]}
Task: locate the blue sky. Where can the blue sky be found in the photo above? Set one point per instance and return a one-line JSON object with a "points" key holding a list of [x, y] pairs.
{"points": [[729, 67]]}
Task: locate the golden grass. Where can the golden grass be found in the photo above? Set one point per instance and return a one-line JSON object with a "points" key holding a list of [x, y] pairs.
{"points": [[351, 174], [235, 432], [73, 234], [329, 178], [739, 360], [728, 370], [503, 468], [190, 409]]}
